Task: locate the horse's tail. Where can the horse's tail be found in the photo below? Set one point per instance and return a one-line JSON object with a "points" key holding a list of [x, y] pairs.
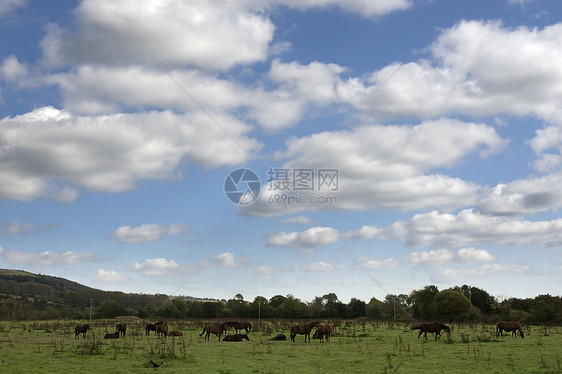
{"points": [[249, 327], [204, 328]]}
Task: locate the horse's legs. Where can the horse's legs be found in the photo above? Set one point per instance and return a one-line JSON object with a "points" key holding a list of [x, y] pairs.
{"points": [[421, 332]]}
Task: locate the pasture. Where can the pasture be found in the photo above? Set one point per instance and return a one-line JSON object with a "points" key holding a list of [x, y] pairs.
{"points": [[355, 347]]}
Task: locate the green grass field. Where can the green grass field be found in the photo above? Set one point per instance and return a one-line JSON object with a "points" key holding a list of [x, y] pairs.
{"points": [[355, 347]]}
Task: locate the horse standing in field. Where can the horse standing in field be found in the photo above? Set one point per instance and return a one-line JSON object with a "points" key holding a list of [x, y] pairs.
{"points": [[433, 328], [121, 328], [246, 326], [302, 330], [162, 330], [213, 329], [152, 327], [323, 331], [509, 326], [81, 330], [236, 338]]}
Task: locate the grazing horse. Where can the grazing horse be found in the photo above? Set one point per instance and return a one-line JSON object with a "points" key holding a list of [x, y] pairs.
{"points": [[303, 330], [115, 335], [433, 328], [279, 337], [122, 328], [81, 330], [214, 329], [162, 330], [509, 326], [152, 327], [323, 331], [247, 326], [175, 333], [235, 338]]}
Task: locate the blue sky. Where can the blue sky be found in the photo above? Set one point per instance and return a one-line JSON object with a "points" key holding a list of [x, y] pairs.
{"points": [[411, 143]]}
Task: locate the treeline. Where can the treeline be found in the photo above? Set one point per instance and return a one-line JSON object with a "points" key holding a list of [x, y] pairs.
{"points": [[464, 303]]}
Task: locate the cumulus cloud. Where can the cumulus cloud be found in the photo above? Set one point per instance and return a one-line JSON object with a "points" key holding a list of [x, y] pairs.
{"points": [[8, 6], [46, 257], [11, 70], [366, 8], [300, 220], [227, 260], [109, 276], [110, 153], [485, 270], [147, 232], [175, 33], [387, 167], [370, 263], [440, 256], [469, 227], [319, 266], [313, 237], [266, 270], [157, 267]]}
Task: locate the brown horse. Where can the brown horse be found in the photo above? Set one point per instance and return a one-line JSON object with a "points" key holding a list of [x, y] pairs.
{"points": [[433, 328], [213, 329], [509, 326], [162, 330], [122, 328], [302, 330], [152, 327], [175, 333], [247, 326], [81, 330], [323, 331], [236, 338]]}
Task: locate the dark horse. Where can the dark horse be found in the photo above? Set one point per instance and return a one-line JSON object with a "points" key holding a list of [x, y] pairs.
{"points": [[279, 337], [509, 326], [432, 327], [121, 328], [213, 329], [247, 326], [235, 338], [303, 330], [81, 330], [152, 327], [323, 331], [115, 335]]}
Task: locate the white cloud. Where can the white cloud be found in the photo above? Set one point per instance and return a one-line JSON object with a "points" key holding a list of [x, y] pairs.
{"points": [[46, 257], [266, 270], [366, 8], [468, 228], [109, 276], [110, 153], [147, 232], [370, 263], [8, 6], [175, 33], [313, 237], [227, 260], [485, 270], [388, 167], [300, 220], [157, 267], [319, 266], [441, 256], [12, 70]]}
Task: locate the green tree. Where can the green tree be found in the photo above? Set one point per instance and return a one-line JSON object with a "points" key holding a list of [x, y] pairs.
{"points": [[422, 302], [374, 309], [356, 308], [451, 305]]}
